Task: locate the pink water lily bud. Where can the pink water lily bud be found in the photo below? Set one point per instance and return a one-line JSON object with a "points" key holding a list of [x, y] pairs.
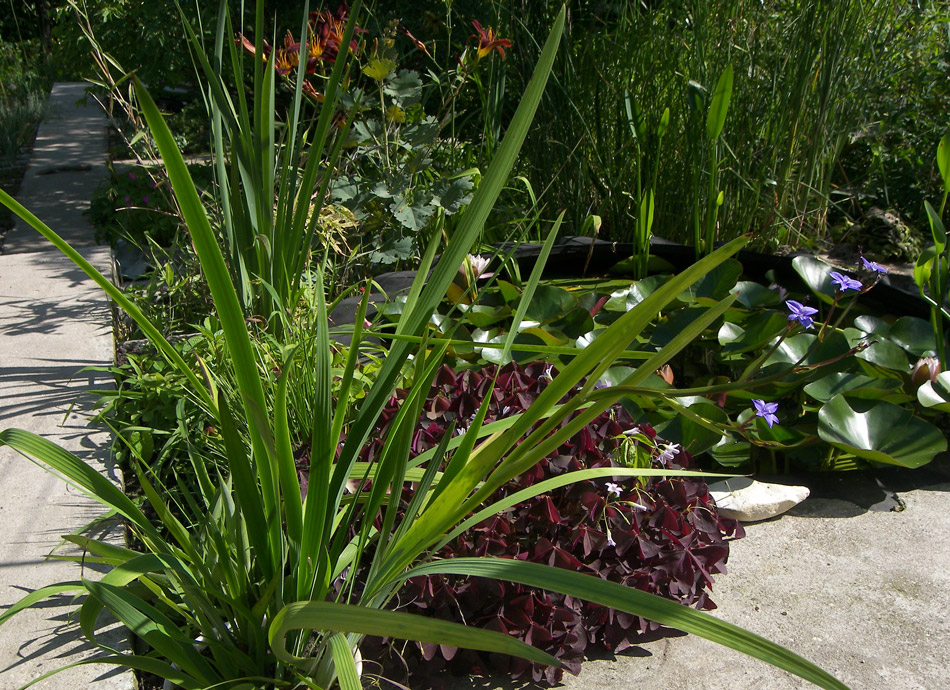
{"points": [[925, 370]]}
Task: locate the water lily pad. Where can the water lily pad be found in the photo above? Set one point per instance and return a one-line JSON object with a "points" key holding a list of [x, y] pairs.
{"points": [[549, 303], [805, 347], [689, 433], [625, 299], [879, 431], [752, 294], [716, 284], [675, 324], [881, 352], [815, 273], [731, 452], [482, 316], [575, 323], [854, 385], [914, 335], [936, 395], [872, 324], [755, 332]]}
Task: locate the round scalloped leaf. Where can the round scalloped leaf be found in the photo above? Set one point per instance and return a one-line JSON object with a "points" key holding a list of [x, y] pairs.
{"points": [[914, 335], [815, 273], [936, 395], [879, 431], [853, 385]]}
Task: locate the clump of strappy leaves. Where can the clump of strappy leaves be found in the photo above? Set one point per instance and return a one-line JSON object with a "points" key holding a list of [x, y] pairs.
{"points": [[661, 535]]}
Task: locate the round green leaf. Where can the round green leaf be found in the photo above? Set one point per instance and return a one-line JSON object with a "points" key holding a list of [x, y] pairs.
{"points": [[884, 353], [872, 324], [815, 274], [752, 294], [793, 349], [716, 284], [914, 335], [549, 303], [854, 385], [936, 395], [690, 434], [879, 431], [755, 332]]}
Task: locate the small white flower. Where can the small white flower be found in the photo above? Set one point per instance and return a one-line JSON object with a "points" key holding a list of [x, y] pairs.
{"points": [[669, 451], [547, 373], [614, 489], [610, 541], [632, 432]]}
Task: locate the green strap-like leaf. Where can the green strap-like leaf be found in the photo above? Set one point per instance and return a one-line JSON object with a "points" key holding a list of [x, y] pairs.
{"points": [[716, 118], [634, 602], [323, 615]]}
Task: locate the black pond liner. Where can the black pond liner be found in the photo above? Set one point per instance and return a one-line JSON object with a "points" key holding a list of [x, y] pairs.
{"points": [[574, 256]]}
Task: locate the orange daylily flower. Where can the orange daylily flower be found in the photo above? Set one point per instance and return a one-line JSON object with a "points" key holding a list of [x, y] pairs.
{"points": [[488, 41]]}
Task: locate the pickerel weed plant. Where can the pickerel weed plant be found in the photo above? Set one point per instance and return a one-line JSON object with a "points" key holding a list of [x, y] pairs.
{"points": [[250, 568]]}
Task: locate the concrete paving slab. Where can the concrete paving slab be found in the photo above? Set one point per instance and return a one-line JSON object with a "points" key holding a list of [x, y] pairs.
{"points": [[863, 594], [54, 323], [68, 163]]}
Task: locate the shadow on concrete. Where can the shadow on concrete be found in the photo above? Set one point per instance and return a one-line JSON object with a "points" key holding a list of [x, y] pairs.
{"points": [[51, 389], [63, 639]]}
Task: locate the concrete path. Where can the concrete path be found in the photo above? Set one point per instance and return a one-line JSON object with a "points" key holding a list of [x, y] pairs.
{"points": [[863, 594], [54, 322]]}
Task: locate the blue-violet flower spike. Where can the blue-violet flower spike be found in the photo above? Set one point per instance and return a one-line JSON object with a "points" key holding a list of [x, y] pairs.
{"points": [[766, 411], [845, 282], [873, 267], [801, 313]]}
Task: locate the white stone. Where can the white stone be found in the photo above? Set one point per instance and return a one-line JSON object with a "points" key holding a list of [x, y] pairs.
{"points": [[747, 500]]}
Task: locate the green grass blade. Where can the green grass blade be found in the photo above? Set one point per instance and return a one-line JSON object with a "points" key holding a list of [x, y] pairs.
{"points": [[344, 663], [634, 602], [219, 283], [321, 615], [77, 473], [528, 293]]}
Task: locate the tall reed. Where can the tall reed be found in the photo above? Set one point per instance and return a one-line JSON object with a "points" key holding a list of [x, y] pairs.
{"points": [[801, 70]]}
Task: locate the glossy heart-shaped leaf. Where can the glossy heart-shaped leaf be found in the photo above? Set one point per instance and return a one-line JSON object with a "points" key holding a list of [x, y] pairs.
{"points": [[879, 431], [549, 303]]}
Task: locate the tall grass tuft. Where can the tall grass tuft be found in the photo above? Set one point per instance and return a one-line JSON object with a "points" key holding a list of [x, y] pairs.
{"points": [[802, 70]]}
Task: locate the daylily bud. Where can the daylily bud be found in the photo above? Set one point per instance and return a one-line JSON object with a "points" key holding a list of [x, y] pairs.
{"points": [[925, 370]]}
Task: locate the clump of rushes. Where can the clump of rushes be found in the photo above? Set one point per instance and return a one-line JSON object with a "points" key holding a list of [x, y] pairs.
{"points": [[661, 535]]}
